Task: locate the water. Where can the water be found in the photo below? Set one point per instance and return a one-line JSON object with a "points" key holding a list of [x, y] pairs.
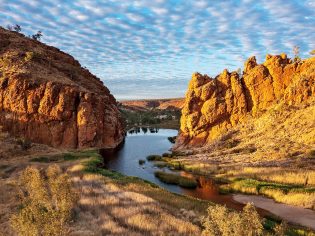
{"points": [[140, 143]]}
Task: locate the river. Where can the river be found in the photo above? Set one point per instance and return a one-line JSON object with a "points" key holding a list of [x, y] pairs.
{"points": [[141, 142]]}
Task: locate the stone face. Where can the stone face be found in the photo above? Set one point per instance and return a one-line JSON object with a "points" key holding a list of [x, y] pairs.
{"points": [[214, 105], [51, 99]]}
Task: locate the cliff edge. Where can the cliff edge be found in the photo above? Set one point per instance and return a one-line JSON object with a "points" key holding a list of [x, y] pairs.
{"points": [[47, 97]]}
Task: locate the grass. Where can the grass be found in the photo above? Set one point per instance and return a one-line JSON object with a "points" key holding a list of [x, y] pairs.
{"points": [[298, 195], [172, 200], [47, 203], [274, 174], [170, 178], [69, 156], [154, 158]]}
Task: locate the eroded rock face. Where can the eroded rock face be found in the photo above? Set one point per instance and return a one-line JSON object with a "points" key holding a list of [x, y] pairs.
{"points": [[214, 105], [47, 97]]}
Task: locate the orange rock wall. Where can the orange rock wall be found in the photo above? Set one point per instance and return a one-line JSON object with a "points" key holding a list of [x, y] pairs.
{"points": [[214, 105], [51, 99]]}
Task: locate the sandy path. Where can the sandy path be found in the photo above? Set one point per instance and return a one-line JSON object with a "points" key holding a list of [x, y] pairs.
{"points": [[293, 214]]}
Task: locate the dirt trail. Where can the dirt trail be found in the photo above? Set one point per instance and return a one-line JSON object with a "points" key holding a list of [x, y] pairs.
{"points": [[293, 214]]}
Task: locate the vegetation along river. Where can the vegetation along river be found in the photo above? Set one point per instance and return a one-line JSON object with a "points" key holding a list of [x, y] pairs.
{"points": [[139, 144], [142, 142]]}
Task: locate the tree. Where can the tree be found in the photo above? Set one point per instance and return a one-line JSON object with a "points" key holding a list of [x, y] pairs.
{"points": [[312, 52], [37, 36], [17, 28], [296, 52]]}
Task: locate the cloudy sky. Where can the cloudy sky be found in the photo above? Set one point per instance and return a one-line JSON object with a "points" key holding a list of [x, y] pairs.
{"points": [[150, 48]]}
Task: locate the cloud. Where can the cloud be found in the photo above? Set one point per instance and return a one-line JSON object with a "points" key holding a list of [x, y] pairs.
{"points": [[150, 48]]}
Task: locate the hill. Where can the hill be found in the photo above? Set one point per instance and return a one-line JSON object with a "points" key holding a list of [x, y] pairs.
{"points": [[47, 97], [147, 104]]}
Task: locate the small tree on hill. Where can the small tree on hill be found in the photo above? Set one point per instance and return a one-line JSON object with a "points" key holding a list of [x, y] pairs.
{"points": [[17, 28], [296, 52], [37, 36], [312, 52]]}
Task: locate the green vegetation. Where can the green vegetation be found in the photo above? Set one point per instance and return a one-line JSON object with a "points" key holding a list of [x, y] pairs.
{"points": [[24, 143], [37, 36], [172, 139], [170, 178], [69, 156], [141, 162], [298, 195], [166, 154], [154, 158], [155, 117], [47, 203]]}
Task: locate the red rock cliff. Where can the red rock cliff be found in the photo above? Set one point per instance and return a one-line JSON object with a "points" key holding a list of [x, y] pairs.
{"points": [[214, 105], [47, 97]]}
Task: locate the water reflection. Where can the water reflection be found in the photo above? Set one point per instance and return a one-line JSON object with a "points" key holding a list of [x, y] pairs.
{"points": [[144, 141], [144, 130]]}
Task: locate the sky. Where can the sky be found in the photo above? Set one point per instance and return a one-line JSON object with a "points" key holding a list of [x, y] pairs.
{"points": [[150, 48]]}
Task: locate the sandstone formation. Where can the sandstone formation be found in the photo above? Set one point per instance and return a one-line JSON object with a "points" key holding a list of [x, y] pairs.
{"points": [[47, 97], [214, 105]]}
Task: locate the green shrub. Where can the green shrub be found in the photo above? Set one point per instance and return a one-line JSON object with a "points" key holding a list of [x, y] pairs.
{"points": [[46, 203], [170, 178], [154, 158], [141, 162], [221, 221], [172, 139], [166, 154], [24, 143]]}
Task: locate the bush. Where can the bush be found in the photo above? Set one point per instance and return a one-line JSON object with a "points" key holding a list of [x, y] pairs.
{"points": [[46, 203], [141, 162], [154, 158], [28, 56], [172, 139], [222, 221], [24, 143], [166, 154], [170, 178]]}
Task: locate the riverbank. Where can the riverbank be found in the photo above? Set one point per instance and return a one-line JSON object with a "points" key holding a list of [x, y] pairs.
{"points": [[108, 203], [175, 201], [107, 197]]}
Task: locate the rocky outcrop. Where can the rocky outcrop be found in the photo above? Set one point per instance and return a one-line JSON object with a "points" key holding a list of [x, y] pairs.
{"points": [[47, 97], [214, 105]]}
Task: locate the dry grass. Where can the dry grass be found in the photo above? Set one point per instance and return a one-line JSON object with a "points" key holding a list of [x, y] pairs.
{"points": [[274, 174], [46, 203], [303, 199], [222, 221], [106, 209]]}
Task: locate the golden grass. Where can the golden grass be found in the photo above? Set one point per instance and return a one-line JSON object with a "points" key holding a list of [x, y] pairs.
{"points": [[274, 174], [289, 194], [107, 208], [303, 199], [222, 221], [46, 204]]}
